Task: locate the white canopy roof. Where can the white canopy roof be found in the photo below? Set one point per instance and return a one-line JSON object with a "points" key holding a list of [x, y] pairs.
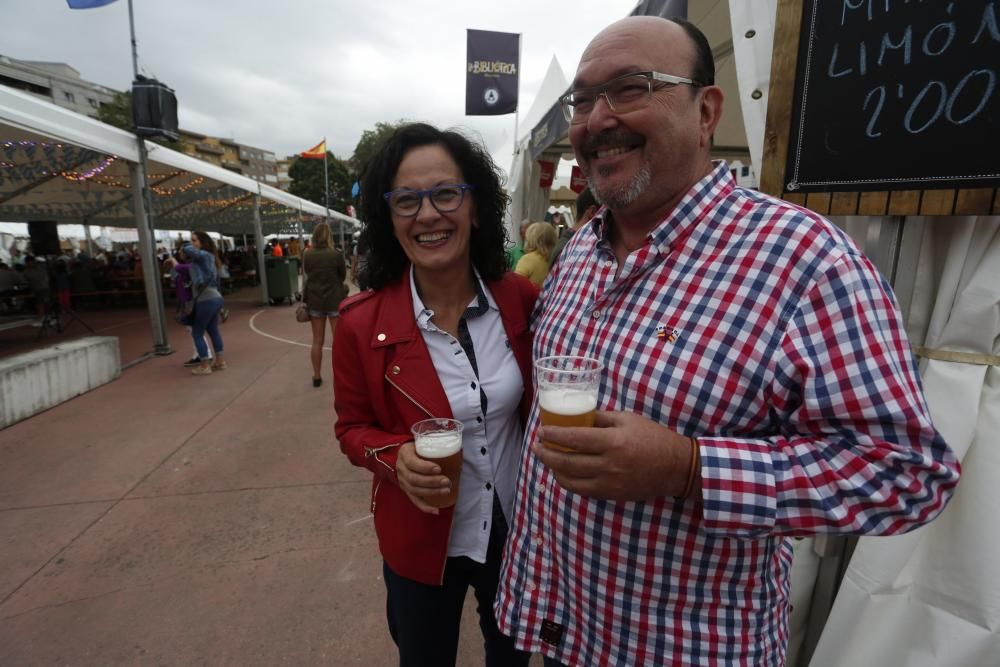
{"points": [[59, 165]]}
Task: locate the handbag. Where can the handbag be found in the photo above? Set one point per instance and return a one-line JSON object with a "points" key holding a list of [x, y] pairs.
{"points": [[185, 310], [302, 313]]}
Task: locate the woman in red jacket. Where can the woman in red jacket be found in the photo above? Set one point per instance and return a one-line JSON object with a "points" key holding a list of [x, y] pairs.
{"points": [[442, 333]]}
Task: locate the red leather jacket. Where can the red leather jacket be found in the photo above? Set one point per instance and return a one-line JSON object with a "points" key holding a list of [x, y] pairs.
{"points": [[384, 381]]}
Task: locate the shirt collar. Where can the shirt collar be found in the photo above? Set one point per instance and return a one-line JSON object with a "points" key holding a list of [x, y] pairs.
{"points": [[482, 302], [698, 201]]}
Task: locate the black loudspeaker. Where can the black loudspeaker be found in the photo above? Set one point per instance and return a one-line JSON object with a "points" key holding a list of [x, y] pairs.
{"points": [[154, 109], [44, 238]]}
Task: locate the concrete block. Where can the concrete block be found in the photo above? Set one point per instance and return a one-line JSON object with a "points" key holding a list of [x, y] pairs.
{"points": [[38, 380]]}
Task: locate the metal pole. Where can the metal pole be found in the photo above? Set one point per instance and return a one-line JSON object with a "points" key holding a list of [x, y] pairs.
{"points": [[88, 237], [144, 224], [518, 91], [150, 267], [135, 53], [258, 232]]}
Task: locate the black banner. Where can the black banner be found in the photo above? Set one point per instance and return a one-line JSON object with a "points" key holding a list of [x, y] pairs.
{"points": [[493, 61]]}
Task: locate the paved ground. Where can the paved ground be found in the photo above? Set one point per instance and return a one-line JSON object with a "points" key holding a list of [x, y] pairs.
{"points": [[167, 519]]}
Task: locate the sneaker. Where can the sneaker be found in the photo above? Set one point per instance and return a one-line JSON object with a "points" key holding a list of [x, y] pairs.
{"points": [[219, 366], [193, 361], [201, 370]]}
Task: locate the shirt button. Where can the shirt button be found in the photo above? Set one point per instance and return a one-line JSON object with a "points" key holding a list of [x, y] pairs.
{"points": [[380, 337], [482, 451], [472, 384], [479, 420], [531, 586], [489, 486], [395, 370], [608, 263], [596, 314], [536, 539]]}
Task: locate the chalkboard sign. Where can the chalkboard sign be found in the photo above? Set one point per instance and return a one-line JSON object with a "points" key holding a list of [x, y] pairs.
{"points": [[896, 95]]}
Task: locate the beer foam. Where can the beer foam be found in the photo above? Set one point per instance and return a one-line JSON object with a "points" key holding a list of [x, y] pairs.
{"points": [[439, 444], [561, 401]]}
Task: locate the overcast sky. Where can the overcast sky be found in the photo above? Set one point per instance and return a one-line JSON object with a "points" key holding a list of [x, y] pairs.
{"points": [[281, 75]]}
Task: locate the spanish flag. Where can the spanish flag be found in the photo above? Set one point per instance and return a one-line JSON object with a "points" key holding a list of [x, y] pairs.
{"points": [[317, 152]]}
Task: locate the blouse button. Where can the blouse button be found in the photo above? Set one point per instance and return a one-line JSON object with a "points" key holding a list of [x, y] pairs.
{"points": [[380, 337], [395, 370]]}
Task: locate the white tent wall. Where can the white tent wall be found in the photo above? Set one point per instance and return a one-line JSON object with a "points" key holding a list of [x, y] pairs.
{"points": [[528, 199], [930, 597]]}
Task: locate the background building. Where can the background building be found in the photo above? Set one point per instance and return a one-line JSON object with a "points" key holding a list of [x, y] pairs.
{"points": [[55, 82]]}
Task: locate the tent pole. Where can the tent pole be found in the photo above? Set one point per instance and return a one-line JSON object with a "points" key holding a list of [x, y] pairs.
{"points": [[514, 152], [88, 237], [259, 236], [150, 267], [143, 207]]}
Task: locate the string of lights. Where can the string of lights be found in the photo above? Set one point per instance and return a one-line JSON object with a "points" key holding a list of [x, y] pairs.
{"points": [[78, 176]]}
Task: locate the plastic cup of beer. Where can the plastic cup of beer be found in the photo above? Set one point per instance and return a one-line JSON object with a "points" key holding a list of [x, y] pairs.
{"points": [[440, 441], [567, 392]]}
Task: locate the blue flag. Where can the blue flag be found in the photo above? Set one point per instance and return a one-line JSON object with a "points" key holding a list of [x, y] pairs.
{"points": [[87, 4]]}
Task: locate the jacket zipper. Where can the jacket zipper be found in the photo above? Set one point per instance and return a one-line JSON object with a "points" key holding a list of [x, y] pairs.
{"points": [[375, 496], [412, 400], [429, 414]]}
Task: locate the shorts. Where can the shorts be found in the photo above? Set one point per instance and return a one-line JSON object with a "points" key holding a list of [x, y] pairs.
{"points": [[320, 314]]}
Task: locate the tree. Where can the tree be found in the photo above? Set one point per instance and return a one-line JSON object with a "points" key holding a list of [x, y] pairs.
{"points": [[307, 181], [118, 112], [370, 139]]}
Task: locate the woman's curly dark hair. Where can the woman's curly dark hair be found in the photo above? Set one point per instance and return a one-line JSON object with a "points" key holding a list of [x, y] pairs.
{"points": [[385, 260]]}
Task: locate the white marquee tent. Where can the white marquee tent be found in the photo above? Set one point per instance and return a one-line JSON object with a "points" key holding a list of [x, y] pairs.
{"points": [[57, 165]]}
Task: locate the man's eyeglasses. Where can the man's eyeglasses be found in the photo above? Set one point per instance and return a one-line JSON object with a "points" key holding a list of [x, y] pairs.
{"points": [[623, 94], [444, 198]]}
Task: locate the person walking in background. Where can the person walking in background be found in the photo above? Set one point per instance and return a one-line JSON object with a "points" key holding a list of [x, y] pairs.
{"points": [[443, 333], [758, 385], [205, 265], [538, 245], [586, 207], [325, 271]]}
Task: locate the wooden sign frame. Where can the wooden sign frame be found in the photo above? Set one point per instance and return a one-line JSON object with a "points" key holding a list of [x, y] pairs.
{"points": [[777, 134]]}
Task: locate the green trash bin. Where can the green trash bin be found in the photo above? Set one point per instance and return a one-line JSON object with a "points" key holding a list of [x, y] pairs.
{"points": [[282, 279]]}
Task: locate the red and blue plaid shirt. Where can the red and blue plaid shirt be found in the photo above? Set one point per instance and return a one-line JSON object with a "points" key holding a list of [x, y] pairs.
{"points": [[761, 329]]}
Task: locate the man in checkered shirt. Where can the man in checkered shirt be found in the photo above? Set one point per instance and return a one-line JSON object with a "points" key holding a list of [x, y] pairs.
{"points": [[758, 385]]}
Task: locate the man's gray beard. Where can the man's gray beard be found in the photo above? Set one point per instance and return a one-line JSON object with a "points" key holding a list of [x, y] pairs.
{"points": [[626, 195]]}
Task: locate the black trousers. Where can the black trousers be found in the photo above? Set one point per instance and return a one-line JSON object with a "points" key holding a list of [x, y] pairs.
{"points": [[424, 620]]}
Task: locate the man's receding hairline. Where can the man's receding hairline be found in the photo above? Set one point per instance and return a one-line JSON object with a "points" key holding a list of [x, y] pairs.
{"points": [[639, 25]]}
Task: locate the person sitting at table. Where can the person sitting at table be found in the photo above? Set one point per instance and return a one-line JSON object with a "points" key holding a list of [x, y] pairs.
{"points": [[9, 278], [81, 277], [12, 286], [36, 273]]}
